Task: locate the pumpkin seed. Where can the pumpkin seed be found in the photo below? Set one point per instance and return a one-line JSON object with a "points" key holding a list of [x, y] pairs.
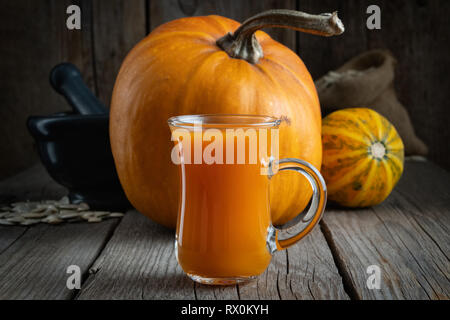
{"points": [[64, 200], [67, 211], [5, 222], [67, 206], [116, 214], [39, 208], [83, 206], [51, 209], [68, 214], [87, 214], [16, 219], [52, 219], [34, 215], [100, 213], [29, 222], [21, 207], [4, 214], [94, 219]]}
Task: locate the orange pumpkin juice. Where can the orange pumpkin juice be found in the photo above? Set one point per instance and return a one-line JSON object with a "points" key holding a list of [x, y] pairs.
{"points": [[224, 213]]}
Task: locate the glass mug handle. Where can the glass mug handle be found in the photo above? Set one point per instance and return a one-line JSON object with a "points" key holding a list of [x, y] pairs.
{"points": [[302, 224]]}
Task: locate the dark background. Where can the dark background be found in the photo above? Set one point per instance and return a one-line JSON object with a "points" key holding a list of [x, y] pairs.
{"points": [[34, 38]]}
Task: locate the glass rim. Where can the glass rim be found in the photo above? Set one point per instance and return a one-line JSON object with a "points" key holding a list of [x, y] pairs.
{"points": [[218, 120]]}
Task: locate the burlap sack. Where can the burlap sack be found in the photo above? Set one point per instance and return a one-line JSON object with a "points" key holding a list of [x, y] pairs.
{"points": [[368, 81]]}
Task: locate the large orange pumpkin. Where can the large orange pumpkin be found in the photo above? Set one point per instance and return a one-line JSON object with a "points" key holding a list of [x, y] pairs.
{"points": [[196, 66]]}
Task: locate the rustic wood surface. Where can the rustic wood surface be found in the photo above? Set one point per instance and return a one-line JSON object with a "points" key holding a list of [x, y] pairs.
{"points": [[139, 263], [408, 236], [133, 258], [34, 260], [117, 26]]}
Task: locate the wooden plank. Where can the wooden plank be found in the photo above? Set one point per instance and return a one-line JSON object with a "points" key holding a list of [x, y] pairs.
{"points": [[321, 54], [205, 292], [35, 265], [161, 11], [399, 237], [139, 263], [34, 260], [141, 257], [34, 39], [428, 196], [8, 235], [418, 35], [118, 25], [305, 271], [75, 46]]}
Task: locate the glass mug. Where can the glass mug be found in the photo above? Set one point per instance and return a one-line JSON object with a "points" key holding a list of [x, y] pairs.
{"points": [[224, 232]]}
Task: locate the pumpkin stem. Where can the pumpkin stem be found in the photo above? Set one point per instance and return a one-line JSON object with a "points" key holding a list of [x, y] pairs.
{"points": [[242, 44]]}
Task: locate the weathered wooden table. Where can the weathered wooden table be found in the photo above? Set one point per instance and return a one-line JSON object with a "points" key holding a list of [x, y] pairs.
{"points": [[407, 236]]}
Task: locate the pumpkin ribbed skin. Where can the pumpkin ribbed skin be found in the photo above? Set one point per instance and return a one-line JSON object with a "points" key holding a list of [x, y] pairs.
{"points": [[178, 69], [362, 157]]}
